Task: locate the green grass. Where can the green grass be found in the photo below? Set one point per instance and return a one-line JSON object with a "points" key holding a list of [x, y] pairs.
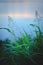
{"points": [[22, 51]]}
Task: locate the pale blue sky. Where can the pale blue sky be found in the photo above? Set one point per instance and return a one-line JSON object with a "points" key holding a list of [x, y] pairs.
{"points": [[21, 0], [13, 7], [19, 8]]}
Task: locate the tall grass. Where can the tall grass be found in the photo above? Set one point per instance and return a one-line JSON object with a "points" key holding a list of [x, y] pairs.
{"points": [[23, 50]]}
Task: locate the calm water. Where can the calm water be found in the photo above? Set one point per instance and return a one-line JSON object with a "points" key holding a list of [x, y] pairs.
{"points": [[17, 26]]}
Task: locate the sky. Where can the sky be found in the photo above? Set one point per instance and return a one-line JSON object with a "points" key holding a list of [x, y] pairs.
{"points": [[21, 8]]}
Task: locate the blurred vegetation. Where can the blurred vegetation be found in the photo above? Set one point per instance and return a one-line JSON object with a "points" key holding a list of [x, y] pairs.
{"points": [[22, 51]]}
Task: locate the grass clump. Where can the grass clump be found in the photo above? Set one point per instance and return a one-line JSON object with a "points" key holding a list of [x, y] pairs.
{"points": [[22, 51]]}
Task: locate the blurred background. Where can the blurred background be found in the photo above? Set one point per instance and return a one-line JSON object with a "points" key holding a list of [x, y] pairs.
{"points": [[18, 14]]}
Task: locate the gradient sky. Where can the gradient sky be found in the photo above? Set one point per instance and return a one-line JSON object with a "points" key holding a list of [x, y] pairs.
{"points": [[21, 8]]}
